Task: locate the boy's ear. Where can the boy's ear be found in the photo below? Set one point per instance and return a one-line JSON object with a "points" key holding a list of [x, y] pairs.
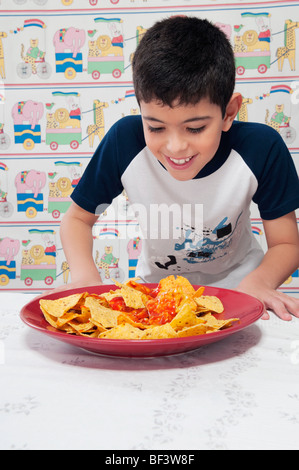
{"points": [[232, 110]]}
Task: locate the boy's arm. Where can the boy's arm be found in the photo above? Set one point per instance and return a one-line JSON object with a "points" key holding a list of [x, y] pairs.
{"points": [[77, 241], [279, 262]]}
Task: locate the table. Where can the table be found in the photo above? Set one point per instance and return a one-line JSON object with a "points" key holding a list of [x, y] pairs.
{"points": [[239, 393]]}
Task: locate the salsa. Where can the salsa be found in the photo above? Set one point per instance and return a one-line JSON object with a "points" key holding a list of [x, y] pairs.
{"points": [[158, 310]]}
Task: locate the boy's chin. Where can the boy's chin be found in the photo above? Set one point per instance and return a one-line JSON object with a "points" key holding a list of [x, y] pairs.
{"points": [[182, 175]]}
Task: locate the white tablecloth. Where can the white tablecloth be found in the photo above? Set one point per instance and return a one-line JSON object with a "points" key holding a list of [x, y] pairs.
{"points": [[239, 393]]}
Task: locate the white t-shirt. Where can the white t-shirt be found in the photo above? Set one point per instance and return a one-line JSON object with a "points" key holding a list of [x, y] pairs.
{"points": [[199, 228]]}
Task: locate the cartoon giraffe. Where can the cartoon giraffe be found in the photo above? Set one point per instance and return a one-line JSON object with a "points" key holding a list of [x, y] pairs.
{"points": [[2, 66], [98, 128], [243, 113], [289, 49]]}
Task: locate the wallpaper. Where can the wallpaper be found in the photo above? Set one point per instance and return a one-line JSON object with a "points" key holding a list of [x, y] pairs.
{"points": [[65, 78]]}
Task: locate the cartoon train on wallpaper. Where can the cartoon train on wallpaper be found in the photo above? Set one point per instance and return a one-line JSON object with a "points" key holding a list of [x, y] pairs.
{"points": [[252, 48], [63, 116], [39, 259], [30, 184], [63, 124], [105, 52]]}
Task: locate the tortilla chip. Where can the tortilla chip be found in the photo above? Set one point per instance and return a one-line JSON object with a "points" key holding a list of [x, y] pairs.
{"points": [[84, 316], [210, 302], [50, 319], [194, 330], [124, 318], [82, 327], [167, 284], [179, 287], [186, 317], [100, 315], [159, 332], [133, 298], [67, 317], [122, 331], [111, 295], [183, 284], [57, 308], [199, 291]]}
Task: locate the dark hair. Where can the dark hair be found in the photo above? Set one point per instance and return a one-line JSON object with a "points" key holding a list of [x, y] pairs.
{"points": [[184, 59]]}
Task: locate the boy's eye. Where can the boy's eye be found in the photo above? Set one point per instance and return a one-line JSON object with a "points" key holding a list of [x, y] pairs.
{"points": [[155, 129], [195, 130]]}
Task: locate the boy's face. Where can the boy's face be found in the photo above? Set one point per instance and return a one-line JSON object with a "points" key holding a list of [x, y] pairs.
{"points": [[183, 138]]}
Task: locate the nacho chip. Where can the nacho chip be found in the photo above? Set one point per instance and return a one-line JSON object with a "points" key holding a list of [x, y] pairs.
{"points": [[124, 318], [210, 302], [133, 298], [186, 317], [84, 315], [179, 287], [66, 318], [199, 292], [50, 319], [122, 331], [159, 332], [111, 295], [82, 327], [100, 315], [57, 308], [185, 286], [194, 330]]}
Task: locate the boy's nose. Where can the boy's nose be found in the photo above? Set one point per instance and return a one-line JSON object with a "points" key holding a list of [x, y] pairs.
{"points": [[176, 144]]}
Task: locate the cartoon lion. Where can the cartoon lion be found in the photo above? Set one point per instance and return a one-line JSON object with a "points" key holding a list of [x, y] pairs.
{"points": [[251, 40], [106, 47], [62, 116], [64, 185], [37, 253]]}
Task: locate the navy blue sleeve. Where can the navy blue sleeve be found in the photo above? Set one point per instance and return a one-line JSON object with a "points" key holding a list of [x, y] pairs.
{"points": [[101, 181], [271, 162]]}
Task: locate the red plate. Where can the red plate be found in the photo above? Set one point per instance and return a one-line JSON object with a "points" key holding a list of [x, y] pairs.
{"points": [[236, 305]]}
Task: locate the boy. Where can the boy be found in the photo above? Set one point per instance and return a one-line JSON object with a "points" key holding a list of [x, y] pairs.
{"points": [[186, 151]]}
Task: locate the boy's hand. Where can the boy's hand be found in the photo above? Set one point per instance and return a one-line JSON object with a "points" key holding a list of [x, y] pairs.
{"points": [[280, 260], [283, 305]]}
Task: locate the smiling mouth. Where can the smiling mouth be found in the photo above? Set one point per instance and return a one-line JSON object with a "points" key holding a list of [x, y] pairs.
{"points": [[181, 162]]}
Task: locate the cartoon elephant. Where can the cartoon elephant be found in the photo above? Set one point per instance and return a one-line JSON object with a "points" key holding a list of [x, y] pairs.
{"points": [[32, 180], [70, 38], [9, 248], [31, 111]]}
